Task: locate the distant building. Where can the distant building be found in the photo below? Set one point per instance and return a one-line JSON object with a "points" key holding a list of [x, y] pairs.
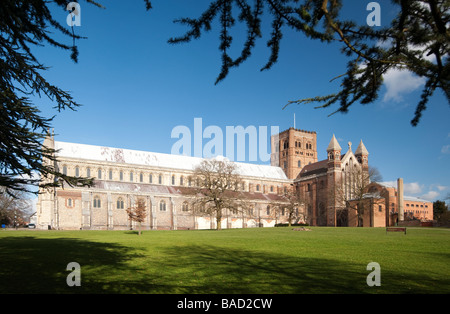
{"points": [[397, 207]]}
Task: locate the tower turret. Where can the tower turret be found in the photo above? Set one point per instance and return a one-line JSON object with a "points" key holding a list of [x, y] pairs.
{"points": [[362, 154], [334, 153], [334, 175]]}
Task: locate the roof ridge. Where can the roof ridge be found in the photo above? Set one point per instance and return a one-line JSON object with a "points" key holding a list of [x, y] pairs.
{"points": [[164, 160]]}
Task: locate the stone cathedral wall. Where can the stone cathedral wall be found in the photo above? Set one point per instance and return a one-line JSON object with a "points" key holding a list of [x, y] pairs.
{"points": [[119, 186]]}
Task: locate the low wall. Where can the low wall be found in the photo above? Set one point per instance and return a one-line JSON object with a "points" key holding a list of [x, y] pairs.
{"points": [[410, 223]]}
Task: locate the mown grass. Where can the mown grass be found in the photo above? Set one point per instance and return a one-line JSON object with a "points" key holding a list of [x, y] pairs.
{"points": [[260, 260]]}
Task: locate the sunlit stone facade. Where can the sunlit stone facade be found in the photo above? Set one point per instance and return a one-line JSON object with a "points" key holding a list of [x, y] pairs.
{"points": [[161, 180]]}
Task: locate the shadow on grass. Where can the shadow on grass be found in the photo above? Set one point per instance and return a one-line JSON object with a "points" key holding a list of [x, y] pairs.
{"points": [[235, 271], [36, 265]]}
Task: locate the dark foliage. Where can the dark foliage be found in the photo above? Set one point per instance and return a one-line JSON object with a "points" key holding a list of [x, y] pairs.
{"points": [[419, 31]]}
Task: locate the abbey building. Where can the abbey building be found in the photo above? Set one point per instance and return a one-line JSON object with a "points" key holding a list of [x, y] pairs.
{"points": [[327, 190]]}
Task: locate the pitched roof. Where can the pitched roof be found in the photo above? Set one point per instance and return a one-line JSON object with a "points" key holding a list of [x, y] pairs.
{"points": [[387, 184], [334, 145], [415, 199], [128, 156], [314, 168], [361, 150]]}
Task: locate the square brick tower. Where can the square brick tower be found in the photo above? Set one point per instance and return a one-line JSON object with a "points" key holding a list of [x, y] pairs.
{"points": [[293, 149]]}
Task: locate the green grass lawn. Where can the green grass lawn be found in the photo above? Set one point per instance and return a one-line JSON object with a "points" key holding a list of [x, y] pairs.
{"points": [[259, 260]]}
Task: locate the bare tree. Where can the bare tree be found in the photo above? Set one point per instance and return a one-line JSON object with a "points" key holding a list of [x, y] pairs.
{"points": [[293, 204], [138, 213], [351, 189], [217, 188], [14, 207], [302, 202]]}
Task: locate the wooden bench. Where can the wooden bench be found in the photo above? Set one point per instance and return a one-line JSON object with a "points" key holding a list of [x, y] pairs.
{"points": [[396, 229]]}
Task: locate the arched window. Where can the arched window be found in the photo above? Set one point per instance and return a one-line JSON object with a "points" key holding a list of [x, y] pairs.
{"points": [[150, 178], [141, 177], [110, 175], [70, 202], [131, 176], [77, 171], [185, 207], [299, 164], [160, 179], [88, 172], [257, 187], [97, 203], [162, 206], [121, 175], [65, 170], [268, 210], [99, 174], [201, 208], [181, 180], [120, 203], [173, 179]]}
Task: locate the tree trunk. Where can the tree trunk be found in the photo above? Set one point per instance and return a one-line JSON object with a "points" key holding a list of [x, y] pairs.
{"points": [[218, 221]]}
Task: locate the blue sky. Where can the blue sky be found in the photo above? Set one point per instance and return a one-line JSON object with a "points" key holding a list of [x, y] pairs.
{"points": [[136, 88]]}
